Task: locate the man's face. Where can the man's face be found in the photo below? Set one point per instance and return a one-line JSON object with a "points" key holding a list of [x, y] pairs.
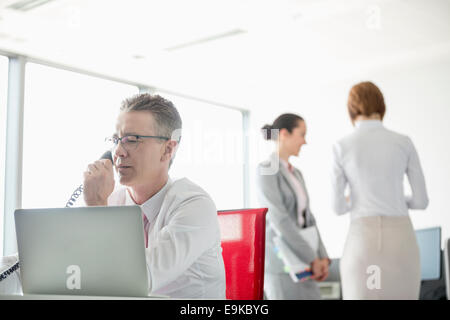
{"points": [[140, 164]]}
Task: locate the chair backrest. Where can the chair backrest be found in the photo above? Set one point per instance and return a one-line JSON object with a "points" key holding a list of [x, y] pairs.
{"points": [[243, 242]]}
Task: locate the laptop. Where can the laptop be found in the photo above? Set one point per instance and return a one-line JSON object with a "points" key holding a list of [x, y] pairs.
{"points": [[91, 251], [429, 242]]}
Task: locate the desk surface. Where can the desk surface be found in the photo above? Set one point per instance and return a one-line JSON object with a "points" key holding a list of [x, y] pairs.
{"points": [[75, 297]]}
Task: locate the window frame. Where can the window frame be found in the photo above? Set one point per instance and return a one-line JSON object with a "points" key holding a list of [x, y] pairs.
{"points": [[14, 135]]}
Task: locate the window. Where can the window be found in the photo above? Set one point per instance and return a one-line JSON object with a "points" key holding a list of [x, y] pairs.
{"points": [[66, 119], [211, 150], [3, 104]]}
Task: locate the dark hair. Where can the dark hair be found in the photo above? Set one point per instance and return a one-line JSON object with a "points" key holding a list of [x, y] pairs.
{"points": [[365, 98], [287, 121]]}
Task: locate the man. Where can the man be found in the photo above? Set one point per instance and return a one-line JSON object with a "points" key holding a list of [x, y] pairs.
{"points": [[184, 256]]}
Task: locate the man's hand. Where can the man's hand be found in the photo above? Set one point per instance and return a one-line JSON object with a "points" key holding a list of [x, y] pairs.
{"points": [[98, 182]]}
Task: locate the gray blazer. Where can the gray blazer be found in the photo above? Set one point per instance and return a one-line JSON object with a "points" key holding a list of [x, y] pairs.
{"points": [[276, 192]]}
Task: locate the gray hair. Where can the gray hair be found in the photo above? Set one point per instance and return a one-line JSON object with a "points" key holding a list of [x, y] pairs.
{"points": [[167, 119]]}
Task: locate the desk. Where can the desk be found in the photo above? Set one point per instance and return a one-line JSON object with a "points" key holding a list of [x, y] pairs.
{"points": [[76, 297]]}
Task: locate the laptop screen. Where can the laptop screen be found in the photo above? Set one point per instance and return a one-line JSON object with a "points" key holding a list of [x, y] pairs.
{"points": [[429, 241]]}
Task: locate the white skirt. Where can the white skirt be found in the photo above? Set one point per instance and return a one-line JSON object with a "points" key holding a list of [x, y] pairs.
{"points": [[380, 260]]}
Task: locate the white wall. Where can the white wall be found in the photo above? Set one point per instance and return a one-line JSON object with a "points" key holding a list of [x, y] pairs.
{"points": [[417, 96]]}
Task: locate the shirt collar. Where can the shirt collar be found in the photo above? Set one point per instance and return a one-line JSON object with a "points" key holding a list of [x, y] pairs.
{"points": [[152, 206], [285, 164], [368, 123]]}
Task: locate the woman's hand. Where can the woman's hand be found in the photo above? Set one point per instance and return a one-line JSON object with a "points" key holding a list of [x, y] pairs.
{"points": [[325, 271], [316, 269], [319, 269]]}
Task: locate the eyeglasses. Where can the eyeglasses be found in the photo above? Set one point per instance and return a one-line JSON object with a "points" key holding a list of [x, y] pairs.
{"points": [[129, 142]]}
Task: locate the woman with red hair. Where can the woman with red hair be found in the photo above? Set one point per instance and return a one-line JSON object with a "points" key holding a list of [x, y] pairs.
{"points": [[381, 256]]}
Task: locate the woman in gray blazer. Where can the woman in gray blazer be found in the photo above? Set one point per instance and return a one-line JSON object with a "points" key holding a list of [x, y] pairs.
{"points": [[281, 188]]}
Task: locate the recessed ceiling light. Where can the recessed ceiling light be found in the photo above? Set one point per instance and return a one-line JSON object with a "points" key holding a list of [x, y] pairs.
{"points": [[138, 57], [25, 5], [215, 37]]}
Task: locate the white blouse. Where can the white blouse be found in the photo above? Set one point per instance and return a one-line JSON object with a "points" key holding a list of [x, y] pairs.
{"points": [[372, 162]]}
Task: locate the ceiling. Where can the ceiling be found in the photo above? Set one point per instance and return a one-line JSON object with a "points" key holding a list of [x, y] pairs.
{"points": [[210, 48]]}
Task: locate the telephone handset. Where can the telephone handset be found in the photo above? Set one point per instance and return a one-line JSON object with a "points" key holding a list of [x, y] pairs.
{"points": [[78, 191]]}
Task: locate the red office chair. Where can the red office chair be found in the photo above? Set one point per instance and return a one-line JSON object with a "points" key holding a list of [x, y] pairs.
{"points": [[243, 234]]}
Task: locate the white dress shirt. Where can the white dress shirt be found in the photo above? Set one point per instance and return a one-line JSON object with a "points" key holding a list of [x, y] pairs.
{"points": [[184, 253], [372, 161]]}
